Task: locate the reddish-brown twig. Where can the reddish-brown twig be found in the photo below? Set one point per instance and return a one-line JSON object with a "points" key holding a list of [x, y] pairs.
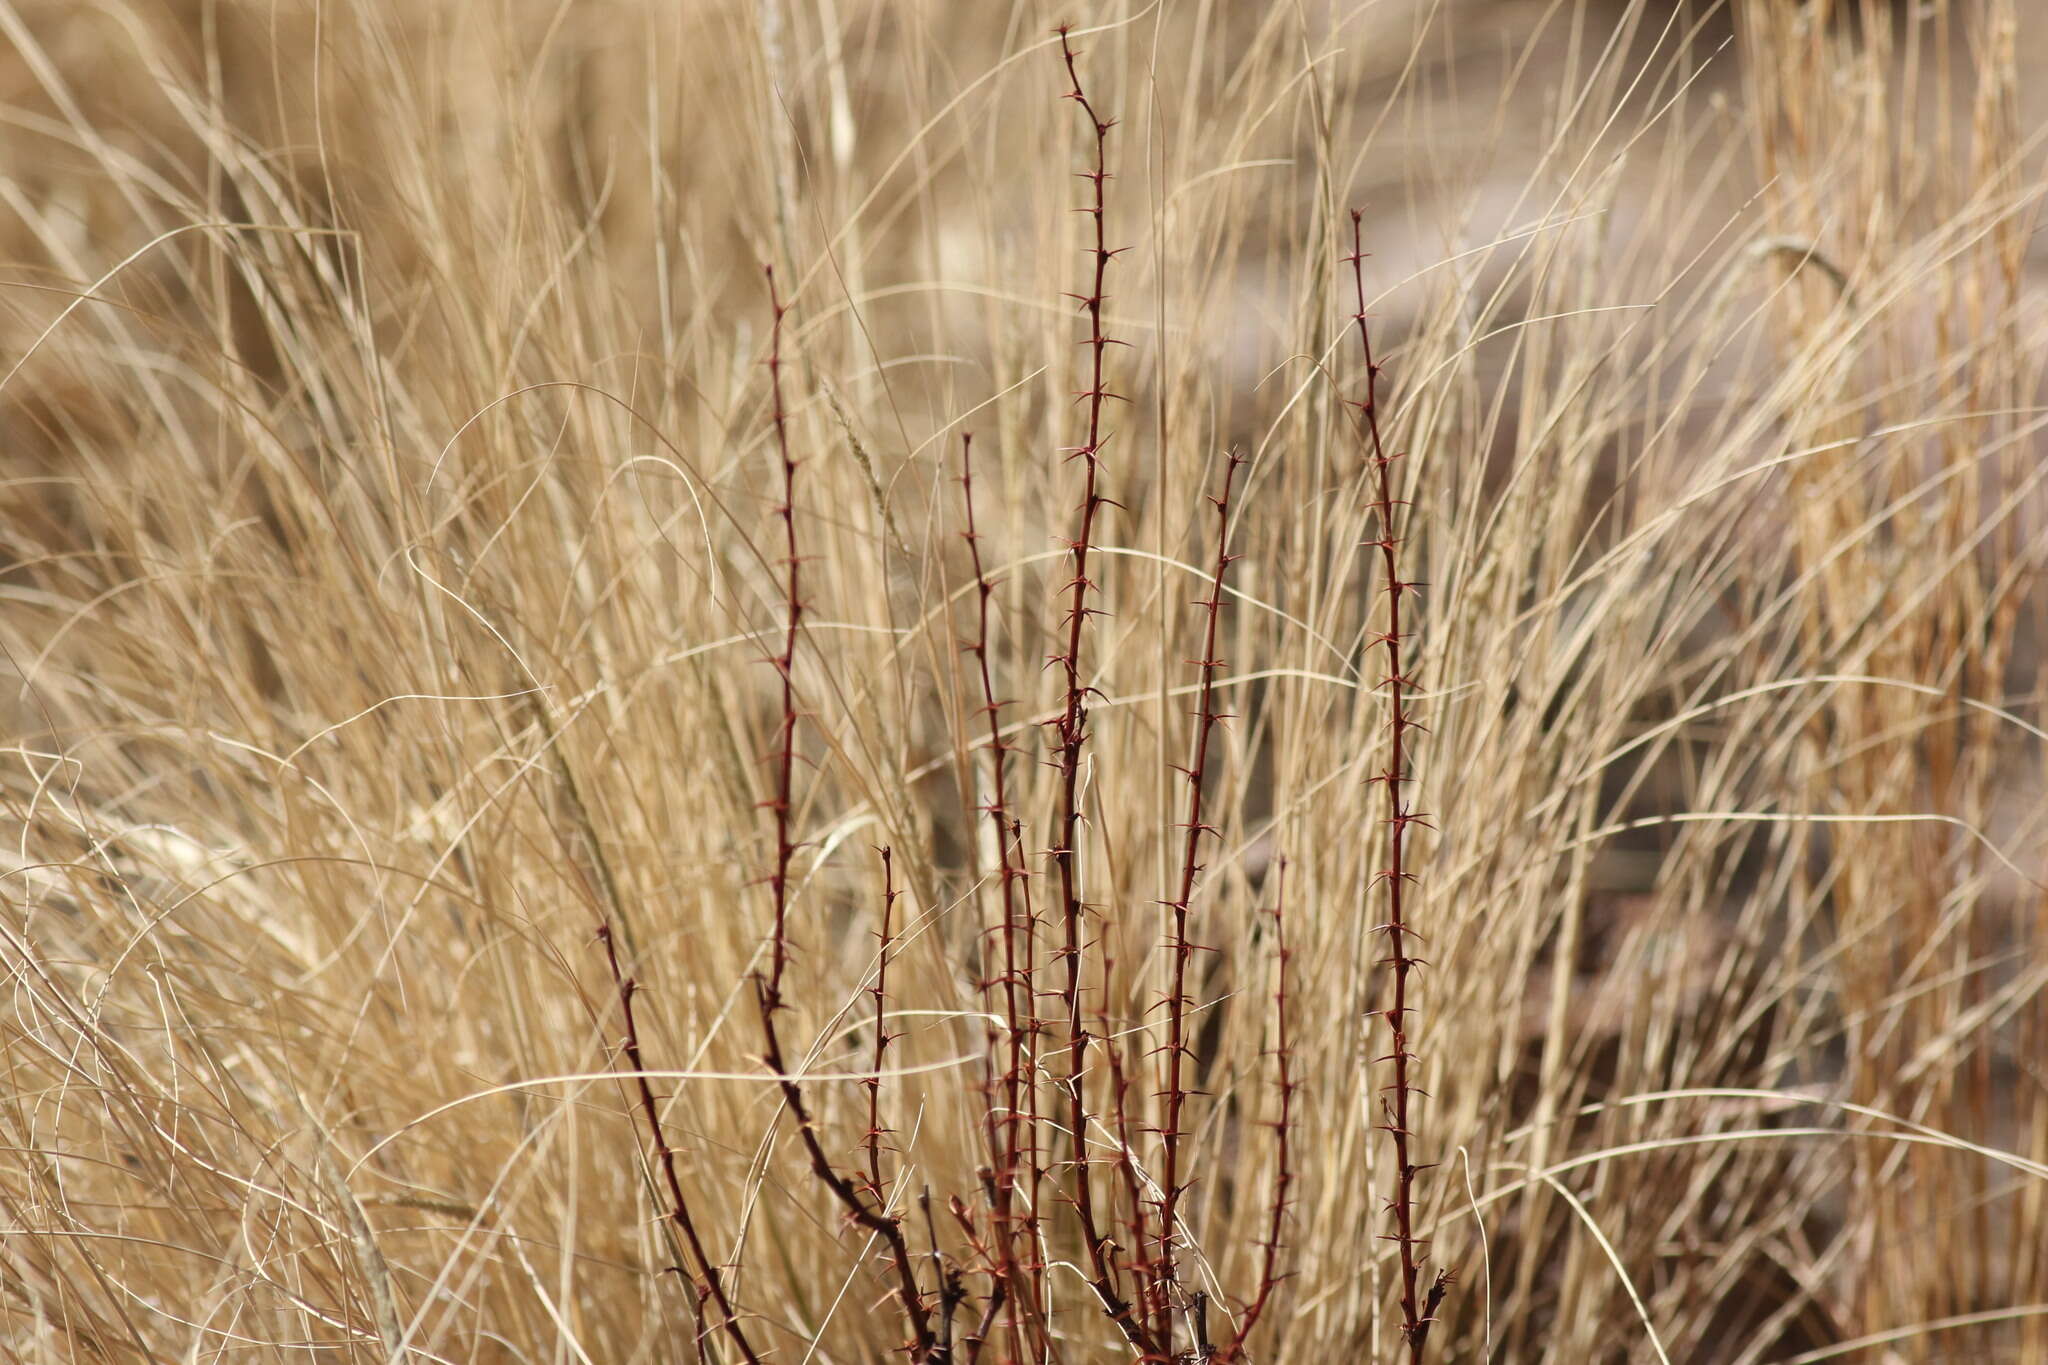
{"points": [[1033, 1148], [706, 1280], [1012, 1135], [784, 753], [874, 1218], [1270, 1274], [1415, 1317], [1146, 1288], [872, 1139], [1172, 1186], [1071, 729]]}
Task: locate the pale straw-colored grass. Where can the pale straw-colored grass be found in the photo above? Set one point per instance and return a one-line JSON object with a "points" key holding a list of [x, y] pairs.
{"points": [[387, 555]]}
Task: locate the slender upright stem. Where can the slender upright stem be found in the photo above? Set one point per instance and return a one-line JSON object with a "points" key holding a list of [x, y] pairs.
{"points": [[1013, 1133], [1071, 729], [1172, 1186], [784, 753], [1398, 1095], [1283, 1130], [707, 1280], [872, 1083]]}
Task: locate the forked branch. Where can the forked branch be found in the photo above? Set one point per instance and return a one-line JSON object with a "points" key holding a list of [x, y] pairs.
{"points": [[865, 1211]]}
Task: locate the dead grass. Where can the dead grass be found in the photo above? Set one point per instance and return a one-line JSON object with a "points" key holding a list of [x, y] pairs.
{"points": [[388, 490]]}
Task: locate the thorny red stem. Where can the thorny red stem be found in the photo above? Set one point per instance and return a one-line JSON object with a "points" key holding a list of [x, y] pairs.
{"points": [[784, 753], [872, 1139], [1017, 1175], [1415, 1317], [1146, 1287], [1196, 773], [1034, 1121], [1283, 1128], [1072, 730], [925, 1347], [1013, 1135], [706, 1279]]}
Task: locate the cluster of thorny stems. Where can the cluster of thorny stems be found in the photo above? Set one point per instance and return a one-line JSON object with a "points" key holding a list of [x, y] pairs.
{"points": [[1065, 1079]]}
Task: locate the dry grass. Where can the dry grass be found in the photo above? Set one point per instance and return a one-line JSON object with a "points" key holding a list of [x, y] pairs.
{"points": [[387, 485]]}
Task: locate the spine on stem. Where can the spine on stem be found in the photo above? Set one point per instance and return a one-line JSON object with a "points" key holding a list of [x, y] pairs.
{"points": [[1013, 1123], [866, 1211], [1180, 948], [1071, 727], [1395, 880]]}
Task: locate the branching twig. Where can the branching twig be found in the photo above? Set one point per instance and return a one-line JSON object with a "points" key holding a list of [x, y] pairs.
{"points": [[874, 1218]]}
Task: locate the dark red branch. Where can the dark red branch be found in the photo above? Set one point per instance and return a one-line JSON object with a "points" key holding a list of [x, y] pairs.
{"points": [[1071, 729], [1172, 1186], [1147, 1290], [872, 1139], [706, 1280], [925, 1347], [1013, 1101], [1397, 1097], [784, 753]]}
